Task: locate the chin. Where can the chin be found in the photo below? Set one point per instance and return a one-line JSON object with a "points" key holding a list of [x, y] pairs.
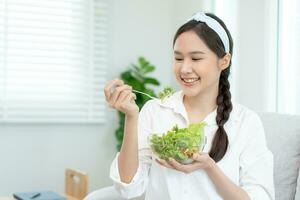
{"points": [[190, 92]]}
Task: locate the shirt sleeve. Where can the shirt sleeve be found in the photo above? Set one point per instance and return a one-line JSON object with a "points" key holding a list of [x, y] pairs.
{"points": [[139, 182], [256, 162]]}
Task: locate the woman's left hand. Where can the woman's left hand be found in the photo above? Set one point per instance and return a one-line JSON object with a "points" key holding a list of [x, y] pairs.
{"points": [[201, 161]]}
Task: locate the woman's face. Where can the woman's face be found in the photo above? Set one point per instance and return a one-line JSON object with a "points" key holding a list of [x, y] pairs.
{"points": [[196, 67]]}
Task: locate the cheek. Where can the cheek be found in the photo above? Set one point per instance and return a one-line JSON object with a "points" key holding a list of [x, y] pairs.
{"points": [[209, 73], [211, 77], [176, 68], [208, 68]]}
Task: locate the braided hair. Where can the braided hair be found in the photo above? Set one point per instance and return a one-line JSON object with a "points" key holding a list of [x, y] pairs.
{"points": [[212, 40]]}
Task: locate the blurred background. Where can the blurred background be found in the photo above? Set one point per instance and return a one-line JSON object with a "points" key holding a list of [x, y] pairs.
{"points": [[56, 56]]}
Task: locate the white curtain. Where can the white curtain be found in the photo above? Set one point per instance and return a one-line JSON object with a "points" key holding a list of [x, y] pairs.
{"points": [[52, 60], [288, 52]]}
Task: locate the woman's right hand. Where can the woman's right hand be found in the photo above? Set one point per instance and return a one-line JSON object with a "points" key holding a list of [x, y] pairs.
{"points": [[120, 97]]}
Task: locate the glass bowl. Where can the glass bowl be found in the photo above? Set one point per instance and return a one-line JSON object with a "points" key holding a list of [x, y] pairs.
{"points": [[181, 149]]}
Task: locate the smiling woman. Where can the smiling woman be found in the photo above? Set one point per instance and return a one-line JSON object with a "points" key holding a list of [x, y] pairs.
{"points": [[203, 49]]}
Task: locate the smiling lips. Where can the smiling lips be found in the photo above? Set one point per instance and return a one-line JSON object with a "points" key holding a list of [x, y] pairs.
{"points": [[190, 81]]}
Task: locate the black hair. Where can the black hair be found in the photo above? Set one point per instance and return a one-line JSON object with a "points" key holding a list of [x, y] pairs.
{"points": [[212, 40]]}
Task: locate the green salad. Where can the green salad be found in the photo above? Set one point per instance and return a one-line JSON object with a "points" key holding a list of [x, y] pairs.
{"points": [[179, 143], [168, 91]]}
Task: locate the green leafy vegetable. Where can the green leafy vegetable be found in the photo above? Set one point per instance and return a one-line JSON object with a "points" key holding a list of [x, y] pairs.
{"points": [[179, 143], [168, 91]]}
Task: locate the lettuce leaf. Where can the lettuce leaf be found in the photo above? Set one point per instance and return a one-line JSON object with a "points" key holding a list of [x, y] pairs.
{"points": [[179, 143], [168, 91]]}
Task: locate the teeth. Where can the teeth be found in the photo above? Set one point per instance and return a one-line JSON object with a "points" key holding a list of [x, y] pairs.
{"points": [[190, 80]]}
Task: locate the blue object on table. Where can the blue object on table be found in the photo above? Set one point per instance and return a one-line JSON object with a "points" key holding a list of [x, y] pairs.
{"points": [[43, 195]]}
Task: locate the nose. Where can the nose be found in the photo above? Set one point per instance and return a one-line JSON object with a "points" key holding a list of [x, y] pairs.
{"points": [[186, 67]]}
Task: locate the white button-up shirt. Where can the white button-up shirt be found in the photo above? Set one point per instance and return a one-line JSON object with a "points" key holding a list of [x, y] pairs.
{"points": [[248, 163]]}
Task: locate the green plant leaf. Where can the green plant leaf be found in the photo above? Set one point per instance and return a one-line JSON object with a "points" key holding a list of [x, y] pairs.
{"points": [[143, 62], [136, 84], [119, 133], [151, 81], [136, 69], [126, 76], [149, 68], [137, 76]]}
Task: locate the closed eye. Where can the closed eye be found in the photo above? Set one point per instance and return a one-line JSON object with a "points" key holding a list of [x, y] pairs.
{"points": [[195, 59]]}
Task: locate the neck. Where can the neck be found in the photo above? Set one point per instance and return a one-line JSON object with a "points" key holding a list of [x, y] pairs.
{"points": [[203, 103]]}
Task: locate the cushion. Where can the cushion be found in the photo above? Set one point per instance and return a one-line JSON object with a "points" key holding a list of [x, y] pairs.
{"points": [[283, 139], [298, 187]]}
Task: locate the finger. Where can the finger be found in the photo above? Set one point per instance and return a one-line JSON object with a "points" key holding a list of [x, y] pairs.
{"points": [[117, 92], [109, 86], [176, 164], [164, 163], [192, 167], [200, 157], [123, 96], [131, 98], [117, 87], [123, 99], [184, 168], [196, 156]]}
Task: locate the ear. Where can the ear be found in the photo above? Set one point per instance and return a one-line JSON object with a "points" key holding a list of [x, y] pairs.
{"points": [[224, 62]]}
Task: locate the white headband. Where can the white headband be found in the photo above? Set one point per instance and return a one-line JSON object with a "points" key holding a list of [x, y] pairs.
{"points": [[214, 25]]}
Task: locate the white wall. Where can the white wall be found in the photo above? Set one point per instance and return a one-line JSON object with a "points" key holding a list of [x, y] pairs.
{"points": [[33, 157], [252, 55], [142, 28]]}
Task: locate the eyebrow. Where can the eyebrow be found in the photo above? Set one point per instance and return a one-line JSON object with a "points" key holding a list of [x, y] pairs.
{"points": [[192, 52]]}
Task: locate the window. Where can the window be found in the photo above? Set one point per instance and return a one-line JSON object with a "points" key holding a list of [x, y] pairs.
{"points": [[52, 60], [288, 57]]}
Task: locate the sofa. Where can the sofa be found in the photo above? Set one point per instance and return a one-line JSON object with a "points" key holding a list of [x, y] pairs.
{"points": [[283, 139]]}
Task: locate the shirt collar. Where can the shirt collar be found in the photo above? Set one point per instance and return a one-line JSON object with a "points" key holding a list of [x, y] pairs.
{"points": [[175, 102]]}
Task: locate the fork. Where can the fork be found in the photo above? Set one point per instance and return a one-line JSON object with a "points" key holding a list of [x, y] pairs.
{"points": [[136, 91], [151, 97]]}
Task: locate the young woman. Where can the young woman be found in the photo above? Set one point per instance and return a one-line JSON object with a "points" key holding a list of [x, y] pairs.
{"points": [[235, 163]]}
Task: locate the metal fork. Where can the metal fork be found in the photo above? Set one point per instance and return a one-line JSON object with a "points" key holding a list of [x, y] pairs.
{"points": [[151, 97], [136, 91]]}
